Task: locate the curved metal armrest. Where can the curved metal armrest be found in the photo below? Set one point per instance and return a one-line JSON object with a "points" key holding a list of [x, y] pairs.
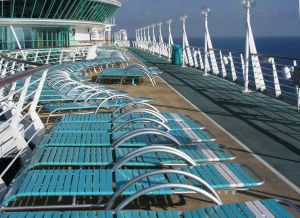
{"points": [[151, 149], [213, 196], [142, 111], [165, 186], [112, 97], [135, 103], [109, 94], [140, 132], [142, 120]]}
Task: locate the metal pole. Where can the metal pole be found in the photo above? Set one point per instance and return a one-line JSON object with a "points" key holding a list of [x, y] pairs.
{"points": [[148, 33], [17, 41], [183, 18], [205, 13], [153, 37], [160, 39], [170, 41], [247, 47]]}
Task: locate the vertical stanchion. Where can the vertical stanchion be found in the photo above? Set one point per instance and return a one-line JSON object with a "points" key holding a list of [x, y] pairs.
{"points": [[205, 14], [161, 40], [247, 4], [170, 40], [183, 19], [153, 38]]}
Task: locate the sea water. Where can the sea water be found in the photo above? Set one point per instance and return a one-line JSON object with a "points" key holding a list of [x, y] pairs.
{"points": [[276, 46], [288, 47]]}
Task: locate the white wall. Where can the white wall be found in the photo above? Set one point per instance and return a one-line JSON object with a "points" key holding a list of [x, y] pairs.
{"points": [[82, 34]]}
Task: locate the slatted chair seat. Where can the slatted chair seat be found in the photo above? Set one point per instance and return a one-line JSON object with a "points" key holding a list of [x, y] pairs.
{"points": [[76, 139], [102, 118], [260, 208], [172, 124], [199, 153], [82, 127], [54, 98], [51, 183], [70, 106], [72, 156], [107, 127], [99, 156], [219, 176], [185, 136], [89, 105], [119, 73], [166, 115]]}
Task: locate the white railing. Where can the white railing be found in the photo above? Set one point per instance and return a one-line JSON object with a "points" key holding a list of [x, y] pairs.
{"points": [[51, 55], [267, 74], [21, 84]]}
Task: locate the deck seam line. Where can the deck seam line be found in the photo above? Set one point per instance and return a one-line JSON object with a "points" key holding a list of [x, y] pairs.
{"points": [[272, 169]]}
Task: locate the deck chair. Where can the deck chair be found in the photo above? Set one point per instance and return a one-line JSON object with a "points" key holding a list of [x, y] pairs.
{"points": [[106, 117], [250, 209], [56, 110], [133, 183], [137, 123], [145, 157], [135, 138], [133, 71]]}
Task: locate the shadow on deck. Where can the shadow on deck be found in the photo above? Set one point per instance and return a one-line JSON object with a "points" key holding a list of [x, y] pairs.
{"points": [[270, 128]]}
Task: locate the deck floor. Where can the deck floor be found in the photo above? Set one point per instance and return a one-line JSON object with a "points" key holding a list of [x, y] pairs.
{"points": [[270, 128]]}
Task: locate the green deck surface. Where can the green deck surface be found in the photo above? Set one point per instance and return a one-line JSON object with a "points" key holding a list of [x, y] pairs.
{"points": [[270, 128]]}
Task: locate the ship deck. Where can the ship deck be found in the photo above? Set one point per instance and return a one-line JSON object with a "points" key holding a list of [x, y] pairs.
{"points": [[268, 127], [262, 131]]}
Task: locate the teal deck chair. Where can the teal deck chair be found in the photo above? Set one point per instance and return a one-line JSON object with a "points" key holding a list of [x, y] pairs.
{"points": [[99, 182], [108, 127], [250, 209], [99, 156], [186, 136], [105, 117]]}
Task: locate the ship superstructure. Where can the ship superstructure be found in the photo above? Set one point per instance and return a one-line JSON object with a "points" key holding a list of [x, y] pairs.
{"points": [[53, 23]]}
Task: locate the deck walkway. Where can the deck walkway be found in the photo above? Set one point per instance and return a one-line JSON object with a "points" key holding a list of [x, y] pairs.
{"points": [[270, 128]]}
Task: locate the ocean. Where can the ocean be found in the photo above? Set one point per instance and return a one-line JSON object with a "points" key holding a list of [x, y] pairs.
{"points": [[277, 46], [288, 47]]}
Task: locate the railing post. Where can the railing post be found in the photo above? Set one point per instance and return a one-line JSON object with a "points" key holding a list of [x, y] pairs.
{"points": [[200, 59], [170, 40], [161, 40], [195, 58], [247, 5], [208, 44], [38, 124], [275, 75], [153, 38], [297, 89], [149, 39], [205, 45], [232, 66], [224, 73], [183, 19]]}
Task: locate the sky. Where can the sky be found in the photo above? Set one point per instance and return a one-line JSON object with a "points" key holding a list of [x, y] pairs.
{"points": [[269, 17]]}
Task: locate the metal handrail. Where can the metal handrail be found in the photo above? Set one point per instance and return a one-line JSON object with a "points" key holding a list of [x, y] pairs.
{"points": [[239, 52], [12, 78]]}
